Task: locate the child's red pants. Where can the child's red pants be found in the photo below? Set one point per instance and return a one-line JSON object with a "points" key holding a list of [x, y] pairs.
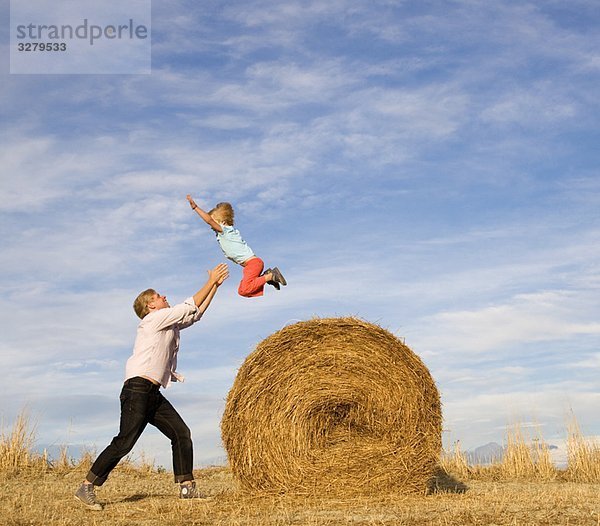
{"points": [[252, 284]]}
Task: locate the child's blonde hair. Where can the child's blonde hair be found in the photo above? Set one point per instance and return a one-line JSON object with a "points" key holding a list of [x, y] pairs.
{"points": [[222, 213], [140, 305]]}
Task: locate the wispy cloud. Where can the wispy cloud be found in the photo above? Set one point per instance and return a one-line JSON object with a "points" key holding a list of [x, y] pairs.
{"points": [[545, 316]]}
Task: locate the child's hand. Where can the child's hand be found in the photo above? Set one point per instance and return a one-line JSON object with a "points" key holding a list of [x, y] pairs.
{"points": [[191, 201]]}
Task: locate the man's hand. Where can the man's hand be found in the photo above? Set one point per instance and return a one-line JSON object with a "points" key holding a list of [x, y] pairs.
{"points": [[218, 274]]}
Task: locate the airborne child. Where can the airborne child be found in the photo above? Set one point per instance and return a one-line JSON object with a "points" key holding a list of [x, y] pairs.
{"points": [[220, 219]]}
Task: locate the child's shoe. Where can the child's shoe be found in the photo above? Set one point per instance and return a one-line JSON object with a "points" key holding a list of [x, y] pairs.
{"points": [[272, 282], [278, 276]]}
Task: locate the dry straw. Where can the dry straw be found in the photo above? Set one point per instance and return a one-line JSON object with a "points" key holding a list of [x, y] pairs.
{"points": [[333, 405]]}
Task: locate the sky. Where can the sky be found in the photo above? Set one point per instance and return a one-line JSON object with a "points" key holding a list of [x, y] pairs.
{"points": [[428, 166]]}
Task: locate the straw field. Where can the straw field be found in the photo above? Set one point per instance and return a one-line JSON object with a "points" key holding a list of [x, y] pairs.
{"points": [[512, 492], [39, 494], [333, 404]]}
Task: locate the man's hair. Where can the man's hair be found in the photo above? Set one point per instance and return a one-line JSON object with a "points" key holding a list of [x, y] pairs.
{"points": [[223, 212], [140, 305]]}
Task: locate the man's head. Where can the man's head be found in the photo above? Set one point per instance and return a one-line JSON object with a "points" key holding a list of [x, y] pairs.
{"points": [[148, 301]]}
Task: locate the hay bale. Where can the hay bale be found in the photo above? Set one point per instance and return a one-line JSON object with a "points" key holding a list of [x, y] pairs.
{"points": [[332, 405]]}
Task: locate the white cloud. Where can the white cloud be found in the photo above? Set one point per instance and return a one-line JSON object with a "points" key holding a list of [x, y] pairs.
{"points": [[534, 106], [289, 14], [543, 316], [590, 363]]}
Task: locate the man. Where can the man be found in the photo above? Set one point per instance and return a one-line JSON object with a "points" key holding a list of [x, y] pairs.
{"points": [[152, 365]]}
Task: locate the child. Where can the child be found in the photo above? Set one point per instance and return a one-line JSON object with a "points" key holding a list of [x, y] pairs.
{"points": [[220, 219]]}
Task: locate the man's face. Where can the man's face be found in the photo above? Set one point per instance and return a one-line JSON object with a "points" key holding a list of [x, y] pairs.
{"points": [[158, 302]]}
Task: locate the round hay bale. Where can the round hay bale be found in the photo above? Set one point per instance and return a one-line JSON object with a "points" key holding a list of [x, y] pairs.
{"points": [[332, 405]]}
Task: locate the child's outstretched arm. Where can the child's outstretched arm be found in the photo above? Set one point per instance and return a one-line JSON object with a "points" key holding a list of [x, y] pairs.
{"points": [[207, 219]]}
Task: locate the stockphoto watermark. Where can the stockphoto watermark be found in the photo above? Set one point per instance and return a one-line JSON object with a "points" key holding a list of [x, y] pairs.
{"points": [[32, 33], [80, 37]]}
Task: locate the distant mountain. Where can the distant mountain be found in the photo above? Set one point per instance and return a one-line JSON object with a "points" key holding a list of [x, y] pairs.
{"points": [[491, 452], [486, 454]]}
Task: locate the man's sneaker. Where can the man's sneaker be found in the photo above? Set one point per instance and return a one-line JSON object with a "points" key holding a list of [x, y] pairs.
{"points": [[86, 494], [278, 276], [190, 491], [273, 283]]}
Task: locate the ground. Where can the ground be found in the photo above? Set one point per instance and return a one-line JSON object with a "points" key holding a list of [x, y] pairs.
{"points": [[131, 497]]}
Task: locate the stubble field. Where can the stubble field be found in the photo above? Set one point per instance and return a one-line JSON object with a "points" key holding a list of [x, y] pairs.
{"points": [[147, 498], [523, 488]]}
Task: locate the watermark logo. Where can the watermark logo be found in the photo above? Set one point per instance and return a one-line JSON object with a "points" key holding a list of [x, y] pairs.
{"points": [[80, 37]]}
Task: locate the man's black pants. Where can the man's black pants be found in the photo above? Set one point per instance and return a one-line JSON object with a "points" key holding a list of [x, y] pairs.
{"points": [[141, 404]]}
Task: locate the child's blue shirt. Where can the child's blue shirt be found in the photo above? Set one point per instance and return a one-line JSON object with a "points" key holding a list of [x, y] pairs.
{"points": [[233, 246]]}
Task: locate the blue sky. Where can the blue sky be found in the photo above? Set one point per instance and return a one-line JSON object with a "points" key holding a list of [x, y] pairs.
{"points": [[428, 166]]}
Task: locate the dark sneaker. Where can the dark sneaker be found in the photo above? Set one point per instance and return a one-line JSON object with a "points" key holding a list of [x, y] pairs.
{"points": [[86, 494], [278, 276], [190, 491], [273, 283]]}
